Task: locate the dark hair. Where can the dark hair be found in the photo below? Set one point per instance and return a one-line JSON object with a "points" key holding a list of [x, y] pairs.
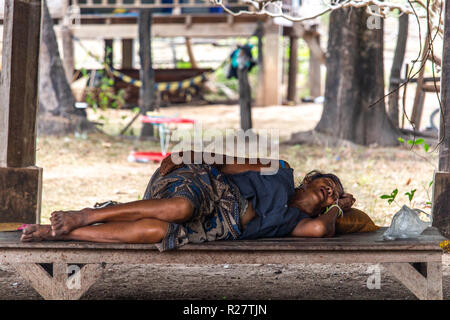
{"points": [[315, 174]]}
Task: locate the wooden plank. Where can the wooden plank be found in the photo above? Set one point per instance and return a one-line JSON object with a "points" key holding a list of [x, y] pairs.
{"points": [[441, 202], [409, 277], [211, 257], [429, 240], [19, 83]]}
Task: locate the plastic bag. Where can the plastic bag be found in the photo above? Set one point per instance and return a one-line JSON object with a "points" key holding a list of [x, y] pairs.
{"points": [[406, 223]]}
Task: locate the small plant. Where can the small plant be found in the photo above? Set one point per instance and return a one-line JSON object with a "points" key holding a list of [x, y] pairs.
{"points": [[104, 96], [416, 142], [390, 197]]}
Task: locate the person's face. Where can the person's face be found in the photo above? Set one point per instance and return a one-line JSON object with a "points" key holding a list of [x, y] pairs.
{"points": [[313, 196]]}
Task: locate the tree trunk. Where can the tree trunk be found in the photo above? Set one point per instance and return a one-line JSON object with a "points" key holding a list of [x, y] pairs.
{"points": [[57, 112], [147, 74], [397, 63], [355, 81]]}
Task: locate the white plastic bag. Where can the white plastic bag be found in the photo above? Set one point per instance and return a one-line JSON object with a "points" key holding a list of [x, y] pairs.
{"points": [[406, 223]]}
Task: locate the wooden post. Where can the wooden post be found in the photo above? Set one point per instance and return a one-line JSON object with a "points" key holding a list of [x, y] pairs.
{"points": [[259, 100], [147, 74], [20, 180], [127, 53], [441, 190], [293, 68], [191, 53], [272, 65], [109, 53], [245, 98], [69, 62]]}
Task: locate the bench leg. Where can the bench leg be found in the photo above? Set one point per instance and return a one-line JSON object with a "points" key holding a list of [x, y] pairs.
{"points": [[60, 286], [426, 284]]}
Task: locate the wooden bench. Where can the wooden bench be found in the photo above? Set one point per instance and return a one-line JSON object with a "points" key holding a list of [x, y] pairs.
{"points": [[417, 263]]}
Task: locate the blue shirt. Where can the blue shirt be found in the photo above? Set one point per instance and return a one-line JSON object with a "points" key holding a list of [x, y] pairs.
{"points": [[269, 195]]}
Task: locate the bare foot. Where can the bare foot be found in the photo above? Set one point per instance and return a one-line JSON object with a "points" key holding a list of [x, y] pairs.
{"points": [[63, 222], [36, 232]]}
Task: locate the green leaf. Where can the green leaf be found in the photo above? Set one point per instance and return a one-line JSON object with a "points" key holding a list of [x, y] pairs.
{"points": [[429, 202], [430, 184], [401, 139], [394, 193], [411, 142], [136, 109], [426, 147], [419, 141], [411, 194], [385, 196]]}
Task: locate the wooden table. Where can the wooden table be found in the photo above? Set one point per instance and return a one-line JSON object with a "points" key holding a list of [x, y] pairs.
{"points": [[66, 270]]}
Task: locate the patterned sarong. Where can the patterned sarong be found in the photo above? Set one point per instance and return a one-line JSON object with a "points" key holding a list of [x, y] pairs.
{"points": [[217, 201]]}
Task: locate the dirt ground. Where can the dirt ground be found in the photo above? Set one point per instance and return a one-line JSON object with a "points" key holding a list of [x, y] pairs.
{"points": [[232, 282], [81, 170]]}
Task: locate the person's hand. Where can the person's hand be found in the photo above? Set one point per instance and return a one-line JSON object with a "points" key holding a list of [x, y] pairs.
{"points": [[167, 165], [346, 201]]}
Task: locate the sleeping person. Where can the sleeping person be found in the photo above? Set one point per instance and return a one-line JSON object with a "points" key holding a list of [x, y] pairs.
{"points": [[193, 203]]}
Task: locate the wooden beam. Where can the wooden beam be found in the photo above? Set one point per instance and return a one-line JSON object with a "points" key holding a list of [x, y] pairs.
{"points": [[60, 286], [196, 30], [425, 288], [19, 79]]}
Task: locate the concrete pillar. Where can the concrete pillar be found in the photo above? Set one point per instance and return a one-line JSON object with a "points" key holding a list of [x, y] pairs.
{"points": [[272, 63]]}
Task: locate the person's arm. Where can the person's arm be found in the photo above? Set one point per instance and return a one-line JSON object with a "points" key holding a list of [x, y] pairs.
{"points": [[321, 227], [324, 225], [224, 163]]}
